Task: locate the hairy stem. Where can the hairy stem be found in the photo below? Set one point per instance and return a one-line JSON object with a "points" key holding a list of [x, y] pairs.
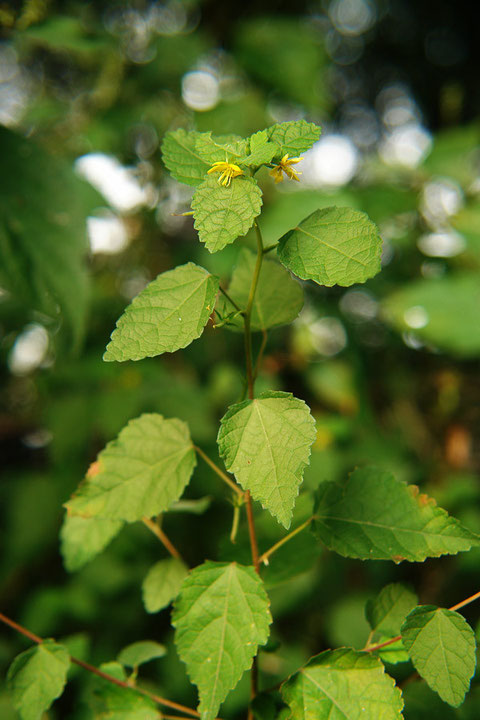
{"points": [[156, 698], [219, 472], [264, 557], [155, 528], [459, 605]]}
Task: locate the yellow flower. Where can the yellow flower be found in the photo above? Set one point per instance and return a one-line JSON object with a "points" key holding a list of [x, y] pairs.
{"points": [[228, 170], [284, 167]]}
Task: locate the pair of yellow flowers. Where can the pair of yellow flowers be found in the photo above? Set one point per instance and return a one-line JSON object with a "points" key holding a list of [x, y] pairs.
{"points": [[229, 170]]}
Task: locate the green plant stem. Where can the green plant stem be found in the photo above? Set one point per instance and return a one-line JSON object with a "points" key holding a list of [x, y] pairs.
{"points": [[269, 248], [230, 299], [264, 557], [155, 528], [459, 605], [250, 389], [258, 362], [156, 698], [219, 472], [248, 313]]}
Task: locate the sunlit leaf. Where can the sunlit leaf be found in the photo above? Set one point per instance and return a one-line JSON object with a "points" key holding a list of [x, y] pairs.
{"points": [[83, 538], [266, 444], [343, 684], [221, 617], [372, 516], [442, 647], [167, 315], [223, 213], [333, 246], [181, 157], [37, 677], [278, 298], [162, 583], [141, 652], [140, 473], [294, 137]]}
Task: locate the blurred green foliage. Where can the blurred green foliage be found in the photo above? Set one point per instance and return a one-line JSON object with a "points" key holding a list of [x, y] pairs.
{"points": [[390, 369]]}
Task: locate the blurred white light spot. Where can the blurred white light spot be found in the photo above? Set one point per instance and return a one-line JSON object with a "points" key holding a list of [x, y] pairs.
{"points": [[29, 350], [37, 439], [406, 145], [416, 317], [328, 336], [117, 183], [412, 341], [200, 90], [106, 234], [440, 199], [352, 17], [360, 305], [332, 161], [442, 244]]}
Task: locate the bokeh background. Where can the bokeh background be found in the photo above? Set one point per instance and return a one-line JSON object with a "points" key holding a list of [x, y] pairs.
{"points": [[88, 216]]}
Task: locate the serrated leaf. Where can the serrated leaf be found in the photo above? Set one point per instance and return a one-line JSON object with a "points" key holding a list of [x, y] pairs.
{"points": [[180, 155], [119, 703], [43, 239], [83, 538], [37, 677], [141, 652], [431, 308], [218, 149], [140, 473], [167, 315], [266, 444], [345, 685], [162, 583], [372, 516], [333, 246], [262, 150], [294, 137], [387, 612], [278, 299], [441, 645], [224, 213], [221, 617]]}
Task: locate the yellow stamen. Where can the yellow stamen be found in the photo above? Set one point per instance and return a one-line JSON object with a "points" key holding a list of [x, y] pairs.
{"points": [[227, 170], [284, 166]]}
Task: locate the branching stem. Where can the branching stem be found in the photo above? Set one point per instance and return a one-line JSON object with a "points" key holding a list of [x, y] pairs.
{"points": [[467, 601], [264, 557], [155, 528], [231, 300], [218, 471], [156, 698]]}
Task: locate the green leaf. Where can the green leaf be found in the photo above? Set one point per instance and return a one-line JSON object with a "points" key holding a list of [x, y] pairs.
{"points": [[333, 246], [220, 149], [266, 444], [294, 137], [140, 473], [141, 652], [441, 645], [180, 155], [43, 239], [372, 516], [278, 299], [83, 538], [37, 677], [221, 617], [432, 308], [388, 610], [224, 213], [262, 150], [167, 315], [343, 685], [162, 584], [119, 703]]}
